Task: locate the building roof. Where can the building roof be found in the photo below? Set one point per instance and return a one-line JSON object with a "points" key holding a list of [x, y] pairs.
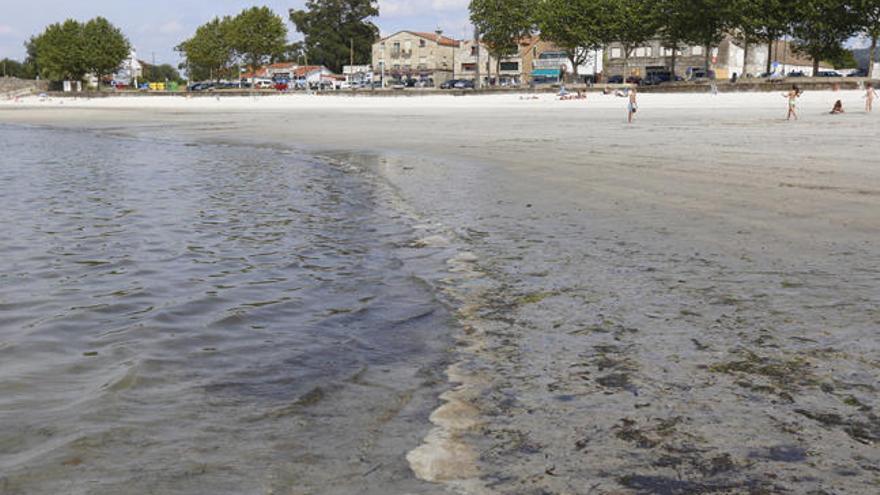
{"points": [[282, 65], [307, 69], [441, 40], [784, 52]]}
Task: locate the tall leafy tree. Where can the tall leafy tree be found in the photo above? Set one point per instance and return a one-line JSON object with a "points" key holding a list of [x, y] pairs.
{"points": [[821, 27], [502, 24], [14, 68], [756, 21], [258, 36], [867, 15], [708, 23], [673, 24], [209, 53], [631, 23], [161, 73], [573, 25], [772, 21], [60, 51], [331, 29], [104, 47]]}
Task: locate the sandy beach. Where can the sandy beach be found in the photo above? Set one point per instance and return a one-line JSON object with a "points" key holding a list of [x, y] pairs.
{"points": [[688, 304]]}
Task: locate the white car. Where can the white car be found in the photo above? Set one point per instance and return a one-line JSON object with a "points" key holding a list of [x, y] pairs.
{"points": [[264, 84]]}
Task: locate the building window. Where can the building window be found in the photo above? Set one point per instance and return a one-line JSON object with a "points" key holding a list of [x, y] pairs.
{"points": [[474, 51], [644, 51], [510, 66], [468, 67], [615, 53], [423, 43], [697, 50]]}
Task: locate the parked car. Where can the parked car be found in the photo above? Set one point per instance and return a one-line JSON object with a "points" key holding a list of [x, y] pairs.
{"points": [[698, 73], [859, 73], [464, 84], [829, 73], [281, 85], [634, 80], [615, 80], [203, 86], [656, 78], [450, 84], [264, 84], [796, 73]]}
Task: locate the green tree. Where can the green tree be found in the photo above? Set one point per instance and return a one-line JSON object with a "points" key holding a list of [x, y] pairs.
{"points": [[502, 24], [631, 23], [209, 54], [708, 23], [60, 51], [867, 13], [258, 36], [104, 47], [573, 25], [14, 68], [673, 24], [821, 27], [161, 73], [332, 27]]}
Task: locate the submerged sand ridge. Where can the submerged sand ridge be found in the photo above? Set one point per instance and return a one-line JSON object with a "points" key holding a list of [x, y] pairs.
{"points": [[687, 305]]}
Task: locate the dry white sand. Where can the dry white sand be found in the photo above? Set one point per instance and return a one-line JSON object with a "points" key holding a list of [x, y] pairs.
{"points": [[685, 305]]}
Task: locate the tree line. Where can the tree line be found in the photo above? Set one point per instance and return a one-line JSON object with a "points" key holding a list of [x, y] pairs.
{"points": [[71, 49], [218, 49], [334, 32], [818, 28]]}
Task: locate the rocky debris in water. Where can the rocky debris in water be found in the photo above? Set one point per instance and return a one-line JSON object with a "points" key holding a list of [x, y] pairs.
{"points": [[866, 432], [781, 453], [650, 438], [782, 376]]}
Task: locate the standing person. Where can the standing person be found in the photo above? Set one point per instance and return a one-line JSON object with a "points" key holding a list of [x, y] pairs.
{"points": [[632, 106], [793, 96], [870, 95]]}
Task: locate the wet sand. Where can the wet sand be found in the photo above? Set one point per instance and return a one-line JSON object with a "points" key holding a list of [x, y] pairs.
{"points": [[685, 305]]}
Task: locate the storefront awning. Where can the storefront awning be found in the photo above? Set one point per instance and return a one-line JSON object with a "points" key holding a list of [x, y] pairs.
{"points": [[546, 72]]}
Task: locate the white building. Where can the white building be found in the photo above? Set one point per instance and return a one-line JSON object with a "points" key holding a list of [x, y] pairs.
{"points": [[357, 74], [550, 65]]}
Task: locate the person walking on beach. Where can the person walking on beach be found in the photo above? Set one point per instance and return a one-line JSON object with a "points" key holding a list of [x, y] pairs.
{"points": [[793, 96], [870, 95], [632, 106]]}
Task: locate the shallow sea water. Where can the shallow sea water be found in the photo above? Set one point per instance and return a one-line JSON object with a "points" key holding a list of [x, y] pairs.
{"points": [[208, 319]]}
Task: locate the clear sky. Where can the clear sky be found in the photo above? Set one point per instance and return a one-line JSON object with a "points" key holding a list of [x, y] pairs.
{"points": [[156, 26]]}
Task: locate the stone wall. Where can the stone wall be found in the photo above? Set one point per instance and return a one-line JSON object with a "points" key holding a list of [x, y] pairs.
{"points": [[14, 86]]}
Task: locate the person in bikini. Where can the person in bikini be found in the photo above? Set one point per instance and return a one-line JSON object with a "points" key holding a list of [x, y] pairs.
{"points": [[870, 96], [793, 96]]}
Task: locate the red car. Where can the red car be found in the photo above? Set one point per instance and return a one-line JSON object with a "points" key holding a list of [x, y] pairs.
{"points": [[281, 86]]}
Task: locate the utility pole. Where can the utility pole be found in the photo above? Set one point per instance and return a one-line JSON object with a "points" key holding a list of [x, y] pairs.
{"points": [[479, 82]]}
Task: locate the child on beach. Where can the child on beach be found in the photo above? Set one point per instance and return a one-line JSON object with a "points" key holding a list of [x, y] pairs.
{"points": [[870, 95], [793, 96], [838, 108], [632, 106]]}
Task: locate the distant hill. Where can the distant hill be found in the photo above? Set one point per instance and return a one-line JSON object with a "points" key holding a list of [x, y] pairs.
{"points": [[862, 55]]}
